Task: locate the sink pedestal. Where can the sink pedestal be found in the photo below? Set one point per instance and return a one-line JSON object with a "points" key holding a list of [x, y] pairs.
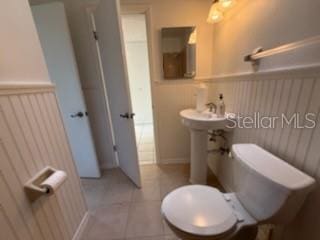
{"points": [[199, 154], [199, 124]]}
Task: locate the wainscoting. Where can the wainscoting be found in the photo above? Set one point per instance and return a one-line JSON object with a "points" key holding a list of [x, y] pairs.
{"points": [[271, 94], [32, 137], [295, 91]]}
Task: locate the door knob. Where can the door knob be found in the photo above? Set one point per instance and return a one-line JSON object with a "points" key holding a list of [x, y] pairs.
{"points": [[127, 115], [78, 114]]}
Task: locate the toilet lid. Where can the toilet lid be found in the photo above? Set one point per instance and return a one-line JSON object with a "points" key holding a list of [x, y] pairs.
{"points": [[198, 210]]}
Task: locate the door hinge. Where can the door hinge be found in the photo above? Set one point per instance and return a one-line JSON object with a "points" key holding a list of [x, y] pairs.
{"points": [[115, 148], [95, 35]]}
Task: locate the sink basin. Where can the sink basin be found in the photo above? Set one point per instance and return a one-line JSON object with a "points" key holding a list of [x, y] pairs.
{"points": [[204, 120]]}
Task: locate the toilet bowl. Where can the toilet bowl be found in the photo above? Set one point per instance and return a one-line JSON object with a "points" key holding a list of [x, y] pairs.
{"points": [[202, 212], [267, 190]]}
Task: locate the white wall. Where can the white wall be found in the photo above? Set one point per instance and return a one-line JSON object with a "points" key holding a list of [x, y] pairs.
{"points": [[21, 58], [267, 24], [135, 39]]}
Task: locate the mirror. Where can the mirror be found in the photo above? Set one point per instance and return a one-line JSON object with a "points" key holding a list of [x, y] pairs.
{"points": [[179, 52]]}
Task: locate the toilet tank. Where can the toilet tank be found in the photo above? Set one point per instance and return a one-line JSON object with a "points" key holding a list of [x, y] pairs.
{"points": [[270, 189]]}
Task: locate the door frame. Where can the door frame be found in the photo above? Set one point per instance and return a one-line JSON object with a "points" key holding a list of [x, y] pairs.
{"points": [[129, 9], [107, 14], [146, 9]]}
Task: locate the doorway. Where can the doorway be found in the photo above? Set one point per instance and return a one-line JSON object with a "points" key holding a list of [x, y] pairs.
{"points": [[137, 57]]}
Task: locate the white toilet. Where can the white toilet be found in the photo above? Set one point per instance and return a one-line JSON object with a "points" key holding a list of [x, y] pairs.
{"points": [[268, 190]]}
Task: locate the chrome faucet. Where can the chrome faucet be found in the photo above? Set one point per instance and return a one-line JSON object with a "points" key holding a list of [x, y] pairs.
{"points": [[212, 106]]}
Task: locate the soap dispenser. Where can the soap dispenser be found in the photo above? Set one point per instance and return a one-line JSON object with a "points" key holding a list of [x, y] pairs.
{"points": [[221, 108]]}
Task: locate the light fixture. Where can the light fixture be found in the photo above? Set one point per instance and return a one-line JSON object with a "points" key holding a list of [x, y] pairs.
{"points": [[227, 4], [215, 15], [193, 37], [217, 9]]}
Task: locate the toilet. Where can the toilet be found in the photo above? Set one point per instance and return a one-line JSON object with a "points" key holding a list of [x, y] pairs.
{"points": [[267, 190]]}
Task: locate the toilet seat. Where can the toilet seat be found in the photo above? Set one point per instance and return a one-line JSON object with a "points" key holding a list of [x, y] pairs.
{"points": [[199, 210]]}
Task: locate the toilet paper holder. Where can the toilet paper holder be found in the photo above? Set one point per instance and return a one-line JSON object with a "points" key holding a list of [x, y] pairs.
{"points": [[45, 182]]}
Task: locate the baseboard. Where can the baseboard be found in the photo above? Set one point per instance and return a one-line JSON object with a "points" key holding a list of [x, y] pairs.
{"points": [[81, 227], [173, 161]]}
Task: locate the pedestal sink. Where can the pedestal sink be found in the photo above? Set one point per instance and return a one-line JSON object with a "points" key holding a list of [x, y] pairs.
{"points": [[199, 123]]}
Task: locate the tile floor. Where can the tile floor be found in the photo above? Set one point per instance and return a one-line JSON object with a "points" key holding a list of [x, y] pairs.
{"points": [[118, 210], [145, 143]]}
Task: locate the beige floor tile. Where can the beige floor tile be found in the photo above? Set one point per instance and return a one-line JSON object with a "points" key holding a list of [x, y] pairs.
{"points": [[172, 171], [146, 147], [166, 188], [150, 191], [214, 182], [146, 139], [107, 223], [148, 128], [146, 136], [171, 237], [91, 182], [114, 195], [146, 156], [155, 238], [167, 230], [145, 143], [150, 171], [119, 193], [147, 238], [114, 175], [138, 135], [145, 220], [172, 178], [94, 195]]}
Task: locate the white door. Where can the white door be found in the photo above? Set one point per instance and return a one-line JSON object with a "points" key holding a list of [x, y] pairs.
{"points": [[111, 48], [52, 27]]}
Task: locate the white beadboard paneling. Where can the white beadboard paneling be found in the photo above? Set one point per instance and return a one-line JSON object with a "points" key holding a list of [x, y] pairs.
{"points": [[306, 135], [283, 105], [7, 231], [312, 159], [13, 211], [23, 170], [274, 112], [32, 137], [251, 105], [291, 108], [272, 94], [301, 108]]}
